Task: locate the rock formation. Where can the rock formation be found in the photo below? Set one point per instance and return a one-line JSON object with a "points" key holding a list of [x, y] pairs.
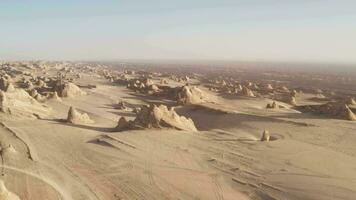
{"points": [[75, 117], [8, 149], [123, 124], [70, 90], [54, 96], [153, 87], [350, 101], [247, 92], [291, 100], [333, 109], [136, 110], [265, 136], [157, 117], [120, 105], [269, 87], [3, 83], [21, 104], [163, 81], [191, 95], [284, 89], [3, 102], [272, 105], [10, 87], [147, 82], [293, 93], [160, 116], [29, 85], [348, 114], [40, 83]]}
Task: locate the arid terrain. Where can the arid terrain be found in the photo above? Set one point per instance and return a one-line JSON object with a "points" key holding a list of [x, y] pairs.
{"points": [[120, 131]]}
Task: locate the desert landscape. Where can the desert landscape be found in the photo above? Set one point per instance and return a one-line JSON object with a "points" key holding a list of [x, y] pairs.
{"points": [[90, 130], [177, 100]]}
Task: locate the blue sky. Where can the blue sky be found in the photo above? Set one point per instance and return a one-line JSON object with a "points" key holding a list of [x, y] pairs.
{"points": [[255, 30]]}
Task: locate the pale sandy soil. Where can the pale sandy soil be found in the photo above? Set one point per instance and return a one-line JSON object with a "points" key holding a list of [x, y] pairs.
{"points": [[308, 158]]}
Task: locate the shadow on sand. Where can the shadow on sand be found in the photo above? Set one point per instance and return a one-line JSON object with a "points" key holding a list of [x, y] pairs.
{"points": [[92, 128]]}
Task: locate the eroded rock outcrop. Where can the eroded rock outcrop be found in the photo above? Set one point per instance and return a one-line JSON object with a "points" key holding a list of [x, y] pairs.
{"points": [[120, 105], [75, 117], [3, 83], [247, 92], [191, 95], [21, 104], [123, 124], [333, 109], [10, 87], [69, 90], [272, 105], [292, 100], [54, 96], [157, 117], [350, 101], [265, 136]]}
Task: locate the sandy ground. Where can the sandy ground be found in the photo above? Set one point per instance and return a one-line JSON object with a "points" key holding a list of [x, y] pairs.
{"points": [[308, 158]]}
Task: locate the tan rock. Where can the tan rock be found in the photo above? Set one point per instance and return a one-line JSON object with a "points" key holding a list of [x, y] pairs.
{"points": [[54, 96], [350, 101], [292, 100], [273, 105], [120, 105], [191, 95], [160, 116], [265, 136], [21, 104], [348, 114], [3, 83], [10, 87], [123, 124], [247, 92], [294, 93], [70, 90], [75, 117]]}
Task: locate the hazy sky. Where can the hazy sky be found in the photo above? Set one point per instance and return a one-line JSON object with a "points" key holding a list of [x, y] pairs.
{"points": [[276, 30]]}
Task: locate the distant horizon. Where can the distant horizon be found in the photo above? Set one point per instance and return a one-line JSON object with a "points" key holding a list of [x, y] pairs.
{"points": [[186, 61], [302, 31]]}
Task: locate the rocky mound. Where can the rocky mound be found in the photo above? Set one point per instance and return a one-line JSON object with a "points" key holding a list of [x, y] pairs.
{"points": [[333, 109], [3, 83], [272, 105], [350, 101], [123, 124], [21, 104], [10, 88], [75, 117], [157, 117], [294, 93], [120, 105], [247, 92], [269, 87], [346, 113], [291, 100], [191, 95], [69, 90], [54, 96], [284, 89], [265, 136]]}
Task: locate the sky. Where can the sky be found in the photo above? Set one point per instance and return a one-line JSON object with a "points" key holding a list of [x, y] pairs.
{"points": [[237, 30]]}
